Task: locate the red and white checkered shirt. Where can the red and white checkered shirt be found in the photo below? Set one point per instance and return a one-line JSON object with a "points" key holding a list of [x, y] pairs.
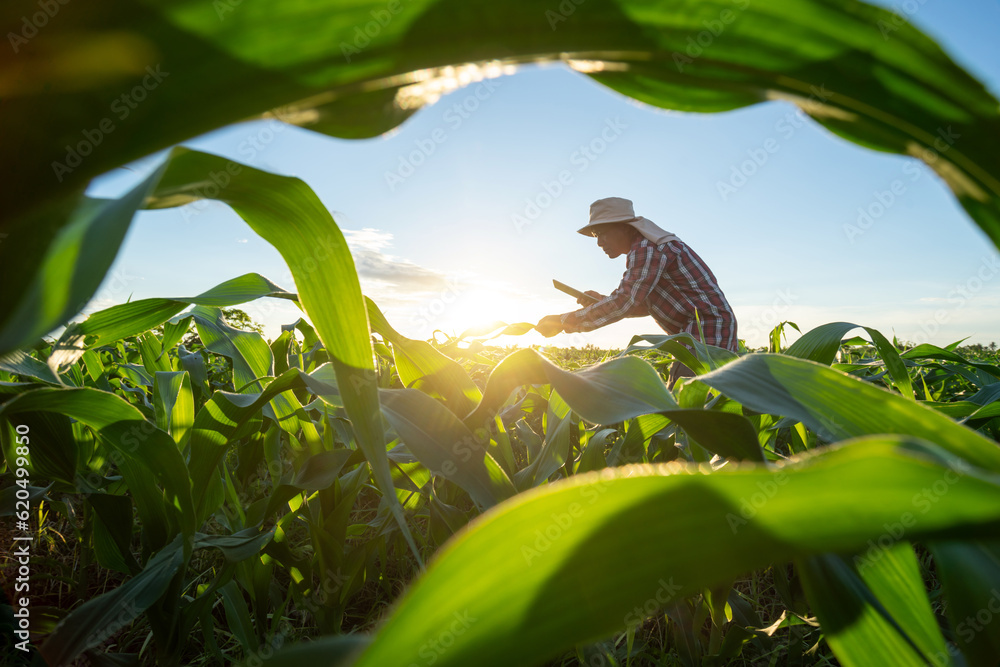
{"points": [[670, 282]]}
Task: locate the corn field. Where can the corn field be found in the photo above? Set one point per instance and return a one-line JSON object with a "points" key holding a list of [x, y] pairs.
{"points": [[198, 495]]}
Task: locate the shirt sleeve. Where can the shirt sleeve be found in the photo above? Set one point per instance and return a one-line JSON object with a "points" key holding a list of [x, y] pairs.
{"points": [[643, 269]]}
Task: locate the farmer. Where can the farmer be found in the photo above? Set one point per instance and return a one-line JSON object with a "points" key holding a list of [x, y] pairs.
{"points": [[663, 278]]}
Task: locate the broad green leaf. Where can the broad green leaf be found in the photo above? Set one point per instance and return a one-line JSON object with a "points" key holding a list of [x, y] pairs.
{"points": [[95, 620], [553, 454], [285, 212], [113, 524], [321, 470], [417, 360], [129, 319], [151, 353], [614, 391], [20, 363], [863, 72], [592, 457], [121, 426], [173, 331], [288, 214], [822, 344], [927, 351], [279, 349], [445, 445], [703, 358], [836, 405], [238, 617], [970, 573], [8, 498], [66, 270], [604, 394], [514, 586], [223, 417], [54, 454], [878, 613], [174, 405], [249, 352]]}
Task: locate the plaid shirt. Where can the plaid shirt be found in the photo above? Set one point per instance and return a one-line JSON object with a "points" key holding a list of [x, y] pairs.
{"points": [[670, 282]]}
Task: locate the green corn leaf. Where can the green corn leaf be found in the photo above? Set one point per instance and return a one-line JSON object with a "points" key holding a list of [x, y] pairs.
{"points": [[151, 353], [822, 344], [20, 363], [703, 359], [970, 573], [554, 452], [129, 319], [173, 331], [878, 613], [927, 351], [836, 405], [321, 470], [592, 457], [445, 445], [55, 454], [863, 72], [286, 213], [113, 527], [249, 352], [225, 415], [417, 360], [238, 617], [173, 402], [95, 620], [514, 587], [602, 394], [614, 391], [121, 426], [67, 271]]}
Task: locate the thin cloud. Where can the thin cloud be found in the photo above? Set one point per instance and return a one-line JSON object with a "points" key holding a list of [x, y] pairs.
{"points": [[382, 272]]}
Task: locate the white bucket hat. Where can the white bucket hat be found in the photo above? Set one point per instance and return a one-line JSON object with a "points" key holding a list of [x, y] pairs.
{"points": [[618, 210]]}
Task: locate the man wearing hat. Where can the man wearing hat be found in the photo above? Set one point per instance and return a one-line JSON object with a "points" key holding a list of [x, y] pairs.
{"points": [[663, 278]]}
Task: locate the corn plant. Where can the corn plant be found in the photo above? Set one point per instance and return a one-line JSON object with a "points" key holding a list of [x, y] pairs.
{"points": [[239, 495]]}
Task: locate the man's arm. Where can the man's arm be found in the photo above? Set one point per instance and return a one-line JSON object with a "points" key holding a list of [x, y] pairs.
{"points": [[643, 270]]}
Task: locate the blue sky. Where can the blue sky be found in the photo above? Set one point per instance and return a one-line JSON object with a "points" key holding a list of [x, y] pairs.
{"points": [[431, 209]]}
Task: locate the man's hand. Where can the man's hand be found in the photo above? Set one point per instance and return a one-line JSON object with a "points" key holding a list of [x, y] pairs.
{"points": [[549, 326], [590, 293]]}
